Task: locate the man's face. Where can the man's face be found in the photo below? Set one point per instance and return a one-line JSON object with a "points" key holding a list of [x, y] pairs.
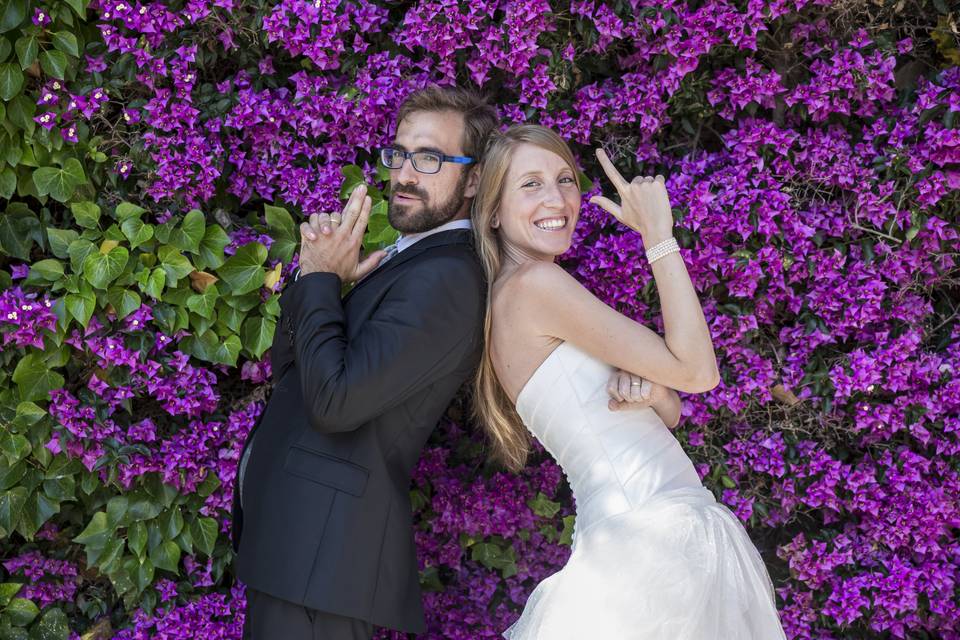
{"points": [[420, 201]]}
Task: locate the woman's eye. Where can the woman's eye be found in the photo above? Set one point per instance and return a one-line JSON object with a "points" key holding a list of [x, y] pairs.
{"points": [[532, 183], [566, 179]]}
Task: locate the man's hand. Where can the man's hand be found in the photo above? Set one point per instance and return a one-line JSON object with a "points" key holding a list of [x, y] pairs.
{"points": [[331, 242]]}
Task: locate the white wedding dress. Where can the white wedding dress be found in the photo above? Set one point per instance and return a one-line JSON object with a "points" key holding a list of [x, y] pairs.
{"points": [[654, 557]]}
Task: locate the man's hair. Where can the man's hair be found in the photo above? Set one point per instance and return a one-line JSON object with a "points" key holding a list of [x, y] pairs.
{"points": [[479, 118]]}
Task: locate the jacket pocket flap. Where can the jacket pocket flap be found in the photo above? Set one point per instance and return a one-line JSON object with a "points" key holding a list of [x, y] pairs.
{"points": [[327, 470]]}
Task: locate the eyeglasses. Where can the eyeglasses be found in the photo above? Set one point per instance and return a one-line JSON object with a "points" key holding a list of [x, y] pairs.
{"points": [[423, 161]]}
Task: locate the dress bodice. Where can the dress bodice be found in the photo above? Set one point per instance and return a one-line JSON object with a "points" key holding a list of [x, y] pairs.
{"points": [[615, 461]]}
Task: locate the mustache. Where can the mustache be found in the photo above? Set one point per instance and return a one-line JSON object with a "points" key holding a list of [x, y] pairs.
{"points": [[410, 190]]}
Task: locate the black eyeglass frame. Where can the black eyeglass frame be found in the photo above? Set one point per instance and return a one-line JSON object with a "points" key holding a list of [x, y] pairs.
{"points": [[413, 155]]}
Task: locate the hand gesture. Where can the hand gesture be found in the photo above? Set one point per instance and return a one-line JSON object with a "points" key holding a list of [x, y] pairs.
{"points": [[332, 242], [645, 205]]}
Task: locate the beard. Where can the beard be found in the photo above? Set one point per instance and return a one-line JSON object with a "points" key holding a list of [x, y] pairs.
{"points": [[430, 216]]}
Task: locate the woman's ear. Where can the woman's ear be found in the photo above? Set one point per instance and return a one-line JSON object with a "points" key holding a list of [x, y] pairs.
{"points": [[473, 180], [495, 221]]}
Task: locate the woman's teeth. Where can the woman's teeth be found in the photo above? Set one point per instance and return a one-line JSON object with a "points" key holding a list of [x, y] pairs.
{"points": [[551, 224]]}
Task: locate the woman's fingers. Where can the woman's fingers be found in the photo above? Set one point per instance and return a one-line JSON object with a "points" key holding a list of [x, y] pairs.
{"points": [[626, 391], [607, 205], [612, 173], [613, 386]]}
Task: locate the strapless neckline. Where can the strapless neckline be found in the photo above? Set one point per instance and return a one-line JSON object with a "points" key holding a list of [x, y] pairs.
{"points": [[530, 381]]}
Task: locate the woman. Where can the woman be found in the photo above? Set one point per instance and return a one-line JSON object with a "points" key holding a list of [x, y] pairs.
{"points": [[654, 555]]}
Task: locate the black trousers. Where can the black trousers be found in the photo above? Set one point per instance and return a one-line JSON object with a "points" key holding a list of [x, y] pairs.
{"points": [[270, 618]]}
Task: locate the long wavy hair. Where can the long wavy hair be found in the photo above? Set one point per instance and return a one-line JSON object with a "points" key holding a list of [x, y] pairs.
{"points": [[509, 439]]}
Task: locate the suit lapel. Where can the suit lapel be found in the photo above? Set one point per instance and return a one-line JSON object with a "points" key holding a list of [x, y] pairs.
{"points": [[454, 236]]}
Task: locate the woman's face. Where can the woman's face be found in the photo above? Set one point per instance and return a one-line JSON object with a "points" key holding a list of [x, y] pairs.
{"points": [[539, 205]]}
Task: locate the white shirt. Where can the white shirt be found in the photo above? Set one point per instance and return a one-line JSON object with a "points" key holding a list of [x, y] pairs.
{"points": [[406, 241]]}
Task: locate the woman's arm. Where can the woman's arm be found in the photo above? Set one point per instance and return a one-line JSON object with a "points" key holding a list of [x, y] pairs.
{"points": [[560, 307]]}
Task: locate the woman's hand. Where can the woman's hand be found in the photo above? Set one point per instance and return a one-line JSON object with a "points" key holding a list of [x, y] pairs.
{"points": [[628, 391], [645, 205]]}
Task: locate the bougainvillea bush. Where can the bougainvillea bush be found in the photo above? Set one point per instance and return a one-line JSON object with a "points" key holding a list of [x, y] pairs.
{"points": [[156, 158]]}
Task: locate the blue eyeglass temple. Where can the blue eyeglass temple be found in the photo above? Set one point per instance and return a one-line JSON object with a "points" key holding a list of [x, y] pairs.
{"points": [[445, 158]]}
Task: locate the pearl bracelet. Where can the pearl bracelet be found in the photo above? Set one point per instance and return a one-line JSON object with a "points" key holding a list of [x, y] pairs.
{"points": [[662, 249]]}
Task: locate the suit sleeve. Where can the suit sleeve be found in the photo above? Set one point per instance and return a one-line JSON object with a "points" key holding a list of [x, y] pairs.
{"points": [[423, 328]]}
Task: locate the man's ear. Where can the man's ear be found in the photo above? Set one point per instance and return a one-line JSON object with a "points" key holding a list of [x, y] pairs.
{"points": [[473, 181]]}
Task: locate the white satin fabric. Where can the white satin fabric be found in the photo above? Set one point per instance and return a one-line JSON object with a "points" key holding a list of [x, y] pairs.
{"points": [[654, 557]]}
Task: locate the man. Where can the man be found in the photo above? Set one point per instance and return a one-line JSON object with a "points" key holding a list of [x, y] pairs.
{"points": [[322, 519]]}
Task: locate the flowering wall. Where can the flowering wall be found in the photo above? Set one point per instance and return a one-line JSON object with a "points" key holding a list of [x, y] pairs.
{"points": [[156, 157]]}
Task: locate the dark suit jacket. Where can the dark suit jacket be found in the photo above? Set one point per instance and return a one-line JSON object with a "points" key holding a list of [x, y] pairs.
{"points": [[359, 385]]}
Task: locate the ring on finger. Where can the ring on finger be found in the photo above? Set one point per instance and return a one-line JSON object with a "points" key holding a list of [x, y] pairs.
{"points": [[336, 218], [636, 384]]}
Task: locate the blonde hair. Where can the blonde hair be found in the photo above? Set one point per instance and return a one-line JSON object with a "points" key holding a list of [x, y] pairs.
{"points": [[509, 439]]}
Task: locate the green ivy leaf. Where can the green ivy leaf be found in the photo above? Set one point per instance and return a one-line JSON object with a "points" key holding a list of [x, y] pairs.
{"points": [[60, 183], [28, 47], [166, 555], [137, 538], [123, 300], [16, 233], [66, 42], [257, 335], [352, 177], [12, 14], [127, 210], [8, 182], [101, 269], [7, 591], [49, 269], [144, 574], [60, 240], [136, 232], [79, 7], [189, 234], [203, 303], [20, 111], [97, 532], [174, 264], [21, 612], [142, 508], [566, 536], [244, 272], [11, 80], [14, 447], [280, 222], [54, 63], [205, 534], [117, 511], [80, 307], [11, 508], [212, 245], [543, 506], [35, 379], [171, 522], [153, 284], [86, 214], [52, 626], [36, 511]]}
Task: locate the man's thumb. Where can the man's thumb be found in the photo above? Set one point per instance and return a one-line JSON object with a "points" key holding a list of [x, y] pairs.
{"points": [[370, 263]]}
